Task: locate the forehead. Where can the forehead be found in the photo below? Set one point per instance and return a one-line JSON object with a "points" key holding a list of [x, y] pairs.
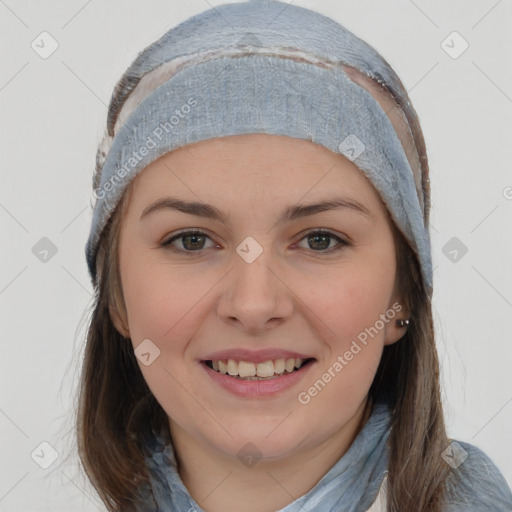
{"points": [[242, 173], [253, 160]]}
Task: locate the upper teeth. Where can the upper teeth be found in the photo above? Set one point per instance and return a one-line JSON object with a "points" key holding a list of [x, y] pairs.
{"points": [[265, 369]]}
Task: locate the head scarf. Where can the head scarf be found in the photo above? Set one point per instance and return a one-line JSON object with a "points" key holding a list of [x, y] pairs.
{"points": [[261, 67]]}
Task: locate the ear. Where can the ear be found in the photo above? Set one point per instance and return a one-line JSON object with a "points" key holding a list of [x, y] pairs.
{"points": [[401, 312], [119, 321]]}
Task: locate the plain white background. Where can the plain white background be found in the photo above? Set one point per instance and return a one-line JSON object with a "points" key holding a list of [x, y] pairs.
{"points": [[53, 112]]}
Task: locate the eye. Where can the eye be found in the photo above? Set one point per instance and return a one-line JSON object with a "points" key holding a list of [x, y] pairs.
{"points": [[191, 241], [320, 240], [194, 240]]}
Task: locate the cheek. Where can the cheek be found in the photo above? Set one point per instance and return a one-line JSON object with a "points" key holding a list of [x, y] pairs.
{"points": [[152, 304], [349, 307], [155, 295], [163, 306], [166, 304], [349, 317], [350, 301]]}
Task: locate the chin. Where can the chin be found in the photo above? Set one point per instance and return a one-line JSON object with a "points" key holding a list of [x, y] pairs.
{"points": [[270, 438]]}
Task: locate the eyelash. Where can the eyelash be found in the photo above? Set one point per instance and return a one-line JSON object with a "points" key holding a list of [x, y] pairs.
{"points": [[321, 232]]}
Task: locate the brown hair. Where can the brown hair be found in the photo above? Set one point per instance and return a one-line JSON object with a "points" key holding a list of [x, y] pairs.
{"points": [[116, 408]]}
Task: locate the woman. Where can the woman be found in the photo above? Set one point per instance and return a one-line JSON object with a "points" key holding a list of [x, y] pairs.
{"points": [[262, 335]]}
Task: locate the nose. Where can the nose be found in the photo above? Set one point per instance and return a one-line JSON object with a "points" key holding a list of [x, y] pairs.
{"points": [[255, 295]]}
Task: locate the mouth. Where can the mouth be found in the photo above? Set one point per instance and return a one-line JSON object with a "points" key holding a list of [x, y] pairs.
{"points": [[266, 370]]}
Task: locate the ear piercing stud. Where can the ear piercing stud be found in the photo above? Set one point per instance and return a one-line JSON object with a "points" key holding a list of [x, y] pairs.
{"points": [[402, 323]]}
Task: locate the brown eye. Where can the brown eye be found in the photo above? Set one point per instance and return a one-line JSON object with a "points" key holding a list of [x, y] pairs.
{"points": [[320, 241], [190, 241]]}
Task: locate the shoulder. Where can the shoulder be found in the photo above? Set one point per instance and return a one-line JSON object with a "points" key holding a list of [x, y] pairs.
{"points": [[475, 483]]}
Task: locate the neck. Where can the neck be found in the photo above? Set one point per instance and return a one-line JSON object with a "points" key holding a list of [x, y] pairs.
{"points": [[219, 482]]}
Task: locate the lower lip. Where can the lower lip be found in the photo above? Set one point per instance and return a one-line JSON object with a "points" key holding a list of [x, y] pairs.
{"points": [[258, 388]]}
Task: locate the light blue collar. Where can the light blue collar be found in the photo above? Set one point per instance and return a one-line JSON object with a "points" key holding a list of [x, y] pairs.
{"points": [[351, 485]]}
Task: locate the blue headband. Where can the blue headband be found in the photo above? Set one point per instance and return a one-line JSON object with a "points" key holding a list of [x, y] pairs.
{"points": [[244, 68]]}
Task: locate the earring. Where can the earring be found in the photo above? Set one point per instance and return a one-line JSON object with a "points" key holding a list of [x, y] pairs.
{"points": [[402, 323]]}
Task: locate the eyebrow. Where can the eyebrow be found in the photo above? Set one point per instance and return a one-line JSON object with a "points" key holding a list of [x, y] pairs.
{"points": [[289, 214]]}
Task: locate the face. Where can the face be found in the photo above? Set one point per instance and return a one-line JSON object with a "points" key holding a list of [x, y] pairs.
{"points": [[314, 283]]}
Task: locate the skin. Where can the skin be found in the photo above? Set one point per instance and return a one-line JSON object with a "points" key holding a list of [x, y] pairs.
{"points": [[295, 295]]}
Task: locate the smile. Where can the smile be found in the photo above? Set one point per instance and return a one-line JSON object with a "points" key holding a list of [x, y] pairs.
{"points": [[269, 379], [246, 370]]}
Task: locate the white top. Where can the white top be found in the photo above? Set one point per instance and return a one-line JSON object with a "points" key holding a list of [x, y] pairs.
{"points": [[379, 505]]}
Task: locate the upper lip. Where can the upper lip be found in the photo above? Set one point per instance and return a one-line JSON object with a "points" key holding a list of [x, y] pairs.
{"points": [[254, 356]]}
